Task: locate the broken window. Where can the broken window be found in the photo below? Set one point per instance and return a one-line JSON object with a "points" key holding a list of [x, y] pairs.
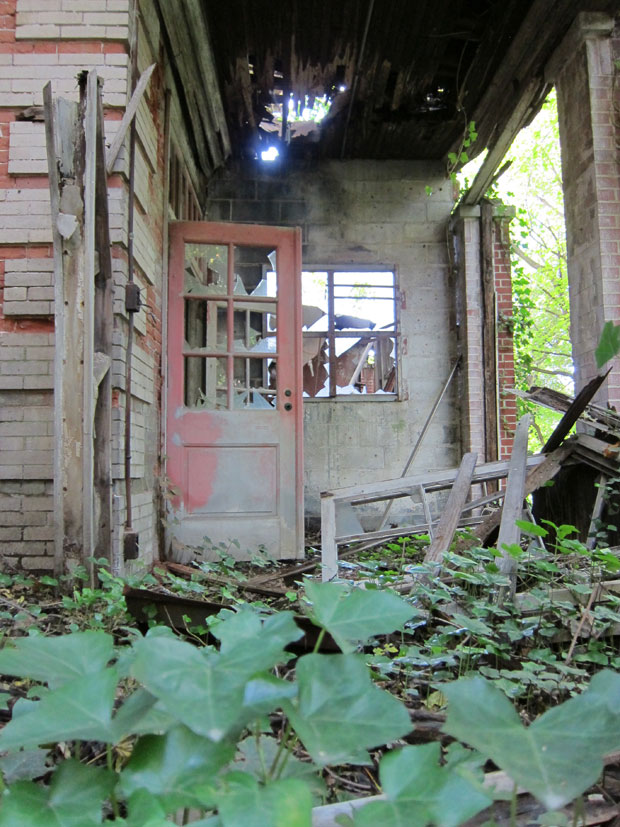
{"points": [[350, 332], [230, 327]]}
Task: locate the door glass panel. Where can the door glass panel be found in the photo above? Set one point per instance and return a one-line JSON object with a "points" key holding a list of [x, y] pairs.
{"points": [[255, 272], [255, 383], [255, 327], [205, 325], [206, 269], [205, 383]]}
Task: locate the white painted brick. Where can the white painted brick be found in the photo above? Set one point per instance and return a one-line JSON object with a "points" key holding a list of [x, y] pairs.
{"points": [[35, 32], [44, 17], [15, 294]]}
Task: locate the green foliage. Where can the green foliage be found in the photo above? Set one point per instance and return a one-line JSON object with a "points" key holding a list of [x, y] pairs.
{"points": [[186, 727], [541, 757], [609, 344], [419, 791]]}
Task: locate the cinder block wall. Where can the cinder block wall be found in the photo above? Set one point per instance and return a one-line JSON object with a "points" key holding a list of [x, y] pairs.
{"points": [[368, 213]]}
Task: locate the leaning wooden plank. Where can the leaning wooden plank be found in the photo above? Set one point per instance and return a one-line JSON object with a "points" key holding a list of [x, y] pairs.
{"points": [[329, 549], [132, 108], [452, 512], [431, 480], [575, 410], [536, 477], [509, 532]]}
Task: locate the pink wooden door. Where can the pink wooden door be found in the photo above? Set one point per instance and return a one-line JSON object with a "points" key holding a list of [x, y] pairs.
{"points": [[234, 389]]}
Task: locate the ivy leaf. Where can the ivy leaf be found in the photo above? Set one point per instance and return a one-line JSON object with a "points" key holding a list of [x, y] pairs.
{"points": [[81, 710], [353, 615], [284, 803], [74, 799], [340, 713], [25, 764], [187, 683], [609, 344], [144, 810], [540, 758], [256, 758], [57, 660], [421, 792], [531, 529], [178, 768]]}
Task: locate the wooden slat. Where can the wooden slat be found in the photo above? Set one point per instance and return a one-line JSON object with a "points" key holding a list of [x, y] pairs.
{"points": [[536, 477], [130, 111], [449, 519], [509, 532], [431, 480], [329, 549]]}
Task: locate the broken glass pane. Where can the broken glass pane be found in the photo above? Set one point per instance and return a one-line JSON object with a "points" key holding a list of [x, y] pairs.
{"points": [[206, 269], [205, 382], [255, 272], [255, 382]]}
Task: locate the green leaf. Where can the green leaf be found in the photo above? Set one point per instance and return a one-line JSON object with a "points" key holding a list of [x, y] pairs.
{"points": [[178, 768], [144, 810], [353, 615], [56, 660], [540, 758], [531, 528], [189, 685], [472, 624], [239, 634], [81, 710], [609, 344], [421, 792], [284, 803], [24, 765], [74, 799], [256, 757], [340, 713]]}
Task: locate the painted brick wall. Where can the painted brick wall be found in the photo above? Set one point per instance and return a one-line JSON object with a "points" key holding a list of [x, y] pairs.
{"points": [[43, 40]]}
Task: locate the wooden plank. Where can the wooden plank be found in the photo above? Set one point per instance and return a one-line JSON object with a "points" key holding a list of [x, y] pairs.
{"points": [[520, 114], [489, 334], [427, 511], [329, 549], [536, 477], [452, 512], [509, 532], [597, 511], [575, 410], [51, 141], [104, 327], [88, 94], [431, 480], [130, 111], [65, 165]]}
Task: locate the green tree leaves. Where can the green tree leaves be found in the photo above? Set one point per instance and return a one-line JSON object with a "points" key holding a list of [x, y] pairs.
{"points": [[609, 344]]}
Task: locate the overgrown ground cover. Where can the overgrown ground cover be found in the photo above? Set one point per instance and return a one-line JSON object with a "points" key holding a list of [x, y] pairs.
{"points": [[433, 686]]}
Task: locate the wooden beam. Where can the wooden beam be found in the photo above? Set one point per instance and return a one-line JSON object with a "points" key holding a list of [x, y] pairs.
{"points": [[520, 115], [130, 111], [573, 413], [449, 519], [329, 548], [66, 171], [104, 325]]}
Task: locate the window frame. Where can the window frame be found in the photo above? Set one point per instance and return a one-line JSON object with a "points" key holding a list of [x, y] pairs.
{"points": [[332, 334]]}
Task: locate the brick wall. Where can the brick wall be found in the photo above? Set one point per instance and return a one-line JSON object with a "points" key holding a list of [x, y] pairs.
{"points": [[586, 75], [507, 402], [43, 40]]}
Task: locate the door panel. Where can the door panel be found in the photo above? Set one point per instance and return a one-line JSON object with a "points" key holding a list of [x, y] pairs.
{"points": [[234, 390]]}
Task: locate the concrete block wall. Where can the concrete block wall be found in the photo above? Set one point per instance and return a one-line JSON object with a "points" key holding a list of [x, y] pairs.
{"points": [[368, 213], [43, 40]]}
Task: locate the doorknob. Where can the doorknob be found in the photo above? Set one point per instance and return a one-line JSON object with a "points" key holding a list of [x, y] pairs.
{"points": [[288, 406]]}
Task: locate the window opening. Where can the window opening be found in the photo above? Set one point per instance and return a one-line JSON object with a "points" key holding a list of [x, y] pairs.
{"points": [[350, 334], [182, 197]]}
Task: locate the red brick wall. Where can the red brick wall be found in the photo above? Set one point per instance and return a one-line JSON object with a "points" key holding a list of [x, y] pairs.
{"points": [[505, 350]]}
